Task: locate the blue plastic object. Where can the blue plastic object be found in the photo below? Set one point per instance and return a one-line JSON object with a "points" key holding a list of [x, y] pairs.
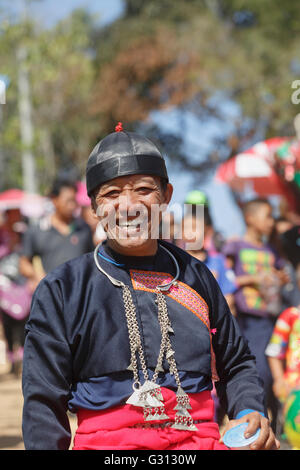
{"points": [[234, 437]]}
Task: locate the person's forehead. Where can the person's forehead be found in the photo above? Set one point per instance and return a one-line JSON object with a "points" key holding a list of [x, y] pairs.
{"points": [[66, 191], [129, 180], [259, 208], [266, 208]]}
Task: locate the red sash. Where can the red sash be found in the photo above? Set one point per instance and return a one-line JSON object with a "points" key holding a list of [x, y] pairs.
{"points": [[123, 427]]}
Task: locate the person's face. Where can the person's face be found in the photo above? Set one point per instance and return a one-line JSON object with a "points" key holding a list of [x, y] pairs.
{"points": [[262, 219], [65, 203], [129, 208], [13, 216], [193, 231]]}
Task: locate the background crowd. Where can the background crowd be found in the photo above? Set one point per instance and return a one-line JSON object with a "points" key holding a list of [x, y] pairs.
{"points": [[215, 84]]}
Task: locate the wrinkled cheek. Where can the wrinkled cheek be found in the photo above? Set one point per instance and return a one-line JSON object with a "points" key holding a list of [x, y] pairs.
{"points": [[107, 216]]}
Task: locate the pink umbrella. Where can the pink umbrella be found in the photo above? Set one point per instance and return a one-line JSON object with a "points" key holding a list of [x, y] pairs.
{"points": [[34, 205], [81, 196]]}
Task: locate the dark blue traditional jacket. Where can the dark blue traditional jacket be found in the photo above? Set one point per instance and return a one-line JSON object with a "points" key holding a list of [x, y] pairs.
{"points": [[77, 348]]}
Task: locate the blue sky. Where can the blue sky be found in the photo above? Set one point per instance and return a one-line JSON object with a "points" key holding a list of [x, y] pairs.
{"points": [[108, 10], [50, 11]]}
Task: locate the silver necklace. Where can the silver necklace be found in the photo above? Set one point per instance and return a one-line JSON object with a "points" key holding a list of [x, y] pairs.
{"points": [[148, 395]]}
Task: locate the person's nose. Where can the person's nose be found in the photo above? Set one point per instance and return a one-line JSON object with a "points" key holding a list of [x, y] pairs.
{"points": [[129, 205]]}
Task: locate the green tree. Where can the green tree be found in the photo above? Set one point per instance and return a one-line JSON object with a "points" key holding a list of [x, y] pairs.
{"points": [[61, 74], [84, 78], [162, 54]]}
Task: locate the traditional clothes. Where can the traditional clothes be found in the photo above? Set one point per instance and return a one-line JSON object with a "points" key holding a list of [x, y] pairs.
{"points": [[77, 349], [132, 344]]}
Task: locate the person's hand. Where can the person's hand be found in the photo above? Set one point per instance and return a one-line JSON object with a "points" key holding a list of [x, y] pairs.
{"points": [[33, 282], [283, 277], [266, 439]]}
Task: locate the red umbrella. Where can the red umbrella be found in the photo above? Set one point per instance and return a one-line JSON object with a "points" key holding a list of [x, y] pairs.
{"points": [[11, 199], [288, 160], [255, 167], [31, 205]]}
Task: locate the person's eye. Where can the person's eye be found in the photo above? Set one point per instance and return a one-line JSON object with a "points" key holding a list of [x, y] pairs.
{"points": [[144, 189], [112, 193]]}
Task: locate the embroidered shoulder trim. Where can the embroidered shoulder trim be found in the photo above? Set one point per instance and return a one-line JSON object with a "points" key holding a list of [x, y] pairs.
{"points": [[182, 293]]}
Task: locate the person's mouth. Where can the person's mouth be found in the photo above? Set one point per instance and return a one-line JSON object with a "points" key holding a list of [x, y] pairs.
{"points": [[129, 228]]}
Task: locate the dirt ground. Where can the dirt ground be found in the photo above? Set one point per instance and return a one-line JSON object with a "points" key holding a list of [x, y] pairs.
{"points": [[11, 401], [10, 411]]}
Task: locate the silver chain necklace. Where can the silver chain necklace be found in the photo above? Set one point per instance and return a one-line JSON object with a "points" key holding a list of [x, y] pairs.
{"points": [[148, 395]]}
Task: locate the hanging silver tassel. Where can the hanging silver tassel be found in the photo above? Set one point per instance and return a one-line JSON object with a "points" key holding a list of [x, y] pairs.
{"points": [[149, 397], [183, 400], [184, 421], [154, 409]]}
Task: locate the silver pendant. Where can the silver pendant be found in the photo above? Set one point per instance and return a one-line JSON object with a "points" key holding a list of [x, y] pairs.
{"points": [[181, 393], [159, 395], [148, 394], [163, 416], [184, 427], [184, 421], [182, 412], [156, 417], [149, 386], [170, 353], [155, 414], [152, 401], [153, 389], [183, 400], [135, 399], [181, 407], [138, 398], [152, 417]]}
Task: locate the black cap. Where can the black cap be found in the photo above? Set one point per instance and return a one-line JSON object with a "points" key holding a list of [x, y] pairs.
{"points": [[123, 153]]}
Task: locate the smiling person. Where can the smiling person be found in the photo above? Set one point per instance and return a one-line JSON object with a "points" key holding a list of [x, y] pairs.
{"points": [[132, 336]]}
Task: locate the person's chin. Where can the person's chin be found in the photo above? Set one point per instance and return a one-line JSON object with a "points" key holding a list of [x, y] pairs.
{"points": [[134, 242]]}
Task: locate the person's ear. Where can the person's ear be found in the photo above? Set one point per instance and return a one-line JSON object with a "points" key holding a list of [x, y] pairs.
{"points": [[168, 193], [94, 213]]}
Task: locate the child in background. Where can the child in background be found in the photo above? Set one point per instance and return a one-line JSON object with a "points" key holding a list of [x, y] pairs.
{"points": [[259, 276], [200, 240], [283, 352]]}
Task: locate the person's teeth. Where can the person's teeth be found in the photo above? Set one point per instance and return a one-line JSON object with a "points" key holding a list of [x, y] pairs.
{"points": [[128, 224]]}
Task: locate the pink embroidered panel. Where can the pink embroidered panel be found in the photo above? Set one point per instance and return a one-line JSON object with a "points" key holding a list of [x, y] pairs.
{"points": [[182, 293]]}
